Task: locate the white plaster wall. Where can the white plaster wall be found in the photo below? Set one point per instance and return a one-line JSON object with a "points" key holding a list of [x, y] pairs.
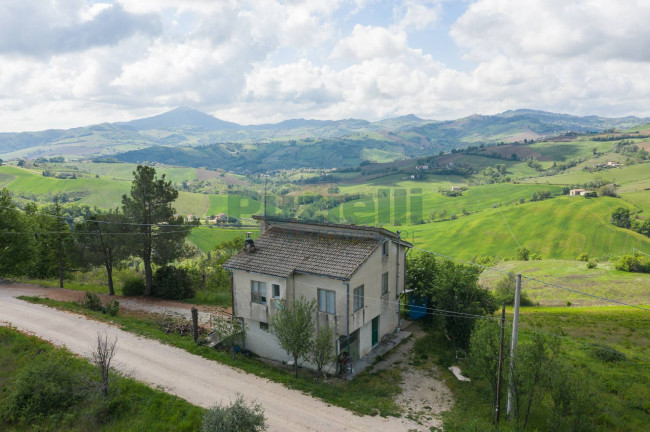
{"points": [[242, 289]]}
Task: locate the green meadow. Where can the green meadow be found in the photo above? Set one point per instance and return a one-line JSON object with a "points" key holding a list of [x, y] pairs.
{"points": [[207, 237], [602, 281], [559, 228]]}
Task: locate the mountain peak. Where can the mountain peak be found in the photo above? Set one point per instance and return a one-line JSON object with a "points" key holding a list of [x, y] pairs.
{"points": [[180, 118]]}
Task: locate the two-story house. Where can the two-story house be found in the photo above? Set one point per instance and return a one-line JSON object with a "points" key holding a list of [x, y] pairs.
{"points": [[355, 274]]}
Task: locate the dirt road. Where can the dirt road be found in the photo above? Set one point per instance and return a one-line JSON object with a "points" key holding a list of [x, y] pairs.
{"points": [[200, 381]]}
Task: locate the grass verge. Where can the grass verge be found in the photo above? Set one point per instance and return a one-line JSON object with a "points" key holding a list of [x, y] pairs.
{"points": [[368, 394], [129, 406]]}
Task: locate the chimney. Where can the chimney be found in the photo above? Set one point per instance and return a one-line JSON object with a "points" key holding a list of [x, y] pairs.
{"points": [[249, 244]]}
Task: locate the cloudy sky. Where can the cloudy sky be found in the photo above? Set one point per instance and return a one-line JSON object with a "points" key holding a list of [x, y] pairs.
{"points": [[66, 63]]}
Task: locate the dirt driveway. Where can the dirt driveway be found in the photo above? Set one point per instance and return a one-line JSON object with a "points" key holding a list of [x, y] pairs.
{"points": [[200, 381]]}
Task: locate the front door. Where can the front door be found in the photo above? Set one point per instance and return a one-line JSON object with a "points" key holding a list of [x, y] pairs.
{"points": [[375, 331]]}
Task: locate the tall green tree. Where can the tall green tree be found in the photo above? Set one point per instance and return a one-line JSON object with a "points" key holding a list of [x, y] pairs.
{"points": [[452, 288], [16, 242], [621, 217], [294, 328], [101, 240], [53, 238], [160, 234]]}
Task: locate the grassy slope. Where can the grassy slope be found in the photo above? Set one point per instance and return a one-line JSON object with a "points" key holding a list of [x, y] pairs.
{"points": [[558, 228], [621, 386], [207, 238], [604, 281]]}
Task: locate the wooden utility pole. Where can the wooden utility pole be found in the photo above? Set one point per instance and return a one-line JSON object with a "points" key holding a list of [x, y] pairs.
{"points": [[513, 345], [500, 367]]}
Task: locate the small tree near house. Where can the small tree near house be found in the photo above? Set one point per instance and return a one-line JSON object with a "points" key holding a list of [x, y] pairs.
{"points": [[322, 351], [294, 328]]}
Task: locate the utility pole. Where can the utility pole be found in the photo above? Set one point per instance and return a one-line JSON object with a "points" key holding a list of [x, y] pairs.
{"points": [[513, 346], [500, 367]]}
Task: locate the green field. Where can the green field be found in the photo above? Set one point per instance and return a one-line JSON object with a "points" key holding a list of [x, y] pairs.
{"points": [[206, 238], [98, 192], [559, 228], [475, 198], [621, 176], [125, 170], [603, 281]]}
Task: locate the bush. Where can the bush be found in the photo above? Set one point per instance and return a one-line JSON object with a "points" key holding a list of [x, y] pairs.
{"points": [[583, 257], [523, 254], [591, 264], [133, 287], [504, 292], [607, 355], [236, 417], [46, 387], [172, 283], [92, 302], [633, 263]]}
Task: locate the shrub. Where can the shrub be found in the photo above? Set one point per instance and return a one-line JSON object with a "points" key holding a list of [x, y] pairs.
{"points": [[172, 283], [583, 257], [633, 263], [523, 254], [91, 301], [591, 264], [133, 287], [504, 292], [606, 354], [46, 387], [236, 417]]}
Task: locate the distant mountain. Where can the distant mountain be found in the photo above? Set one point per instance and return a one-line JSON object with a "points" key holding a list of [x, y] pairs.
{"points": [[179, 119], [384, 140]]}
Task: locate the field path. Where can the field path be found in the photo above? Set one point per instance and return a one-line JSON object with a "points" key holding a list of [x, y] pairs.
{"points": [[199, 381]]}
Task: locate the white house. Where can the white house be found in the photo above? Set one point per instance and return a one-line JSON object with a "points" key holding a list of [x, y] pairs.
{"points": [[355, 274]]}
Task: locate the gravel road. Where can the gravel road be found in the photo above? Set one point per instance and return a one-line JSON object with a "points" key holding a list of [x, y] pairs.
{"points": [[200, 381]]}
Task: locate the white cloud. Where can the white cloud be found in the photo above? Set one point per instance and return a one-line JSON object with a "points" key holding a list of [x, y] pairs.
{"points": [[255, 61]]}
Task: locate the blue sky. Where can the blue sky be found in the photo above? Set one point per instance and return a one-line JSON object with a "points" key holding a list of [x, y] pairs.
{"points": [[66, 63]]}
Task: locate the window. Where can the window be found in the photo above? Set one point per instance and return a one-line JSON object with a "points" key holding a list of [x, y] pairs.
{"points": [[384, 283], [258, 292], [384, 249], [276, 290], [326, 301], [358, 298], [264, 326]]}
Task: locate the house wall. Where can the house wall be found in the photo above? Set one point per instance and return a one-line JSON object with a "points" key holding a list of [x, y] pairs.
{"points": [[368, 274]]}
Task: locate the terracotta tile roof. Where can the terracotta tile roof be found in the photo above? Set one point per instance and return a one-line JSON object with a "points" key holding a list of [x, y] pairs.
{"points": [[281, 251]]}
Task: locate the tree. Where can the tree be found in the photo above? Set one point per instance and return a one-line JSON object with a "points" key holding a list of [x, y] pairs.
{"points": [[101, 241], [293, 326], [642, 227], [161, 234], [504, 292], [16, 242], [484, 352], [322, 350], [450, 287], [102, 356], [621, 218]]}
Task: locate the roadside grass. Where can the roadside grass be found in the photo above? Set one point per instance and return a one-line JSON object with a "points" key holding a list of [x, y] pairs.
{"points": [[130, 405], [71, 285], [604, 281], [622, 386], [368, 394]]}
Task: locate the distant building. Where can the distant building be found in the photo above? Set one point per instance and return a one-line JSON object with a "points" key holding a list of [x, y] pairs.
{"points": [[579, 192], [422, 167], [456, 188]]}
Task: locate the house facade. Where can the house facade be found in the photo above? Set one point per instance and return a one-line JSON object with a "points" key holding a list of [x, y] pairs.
{"points": [[355, 274]]}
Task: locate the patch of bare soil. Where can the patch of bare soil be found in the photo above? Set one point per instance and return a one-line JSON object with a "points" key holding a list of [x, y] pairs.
{"points": [[424, 393]]}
